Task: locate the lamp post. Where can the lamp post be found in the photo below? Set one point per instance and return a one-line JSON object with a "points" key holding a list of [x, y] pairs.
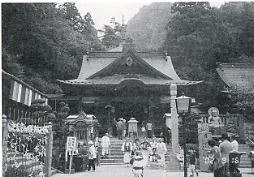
{"points": [[183, 106]]}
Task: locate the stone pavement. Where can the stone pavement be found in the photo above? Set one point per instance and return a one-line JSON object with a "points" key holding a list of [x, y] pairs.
{"points": [[124, 171]]}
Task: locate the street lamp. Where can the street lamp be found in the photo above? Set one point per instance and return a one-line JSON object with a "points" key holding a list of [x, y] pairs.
{"points": [[183, 107]]}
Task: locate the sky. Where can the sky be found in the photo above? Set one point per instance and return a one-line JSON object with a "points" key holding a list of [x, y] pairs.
{"points": [[103, 11]]}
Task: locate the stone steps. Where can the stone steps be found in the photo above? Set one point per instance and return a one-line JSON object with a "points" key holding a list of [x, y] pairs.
{"points": [[245, 160], [116, 156]]}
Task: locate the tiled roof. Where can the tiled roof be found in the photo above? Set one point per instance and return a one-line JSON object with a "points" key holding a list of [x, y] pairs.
{"points": [[240, 75], [96, 67], [92, 65], [94, 62]]}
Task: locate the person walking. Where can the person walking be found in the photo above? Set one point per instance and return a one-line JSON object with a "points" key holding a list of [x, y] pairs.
{"points": [[127, 149], [124, 128], [119, 128], [233, 167], [225, 148], [166, 133], [192, 162], [234, 144], [153, 150], [143, 129], [218, 169], [161, 151], [105, 143], [91, 155], [149, 128]]}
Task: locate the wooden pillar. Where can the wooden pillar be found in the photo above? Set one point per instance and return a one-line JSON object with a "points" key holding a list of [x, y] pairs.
{"points": [[4, 143], [49, 147], [174, 118]]}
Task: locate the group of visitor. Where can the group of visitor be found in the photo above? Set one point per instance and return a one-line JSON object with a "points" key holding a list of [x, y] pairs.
{"points": [[153, 150], [222, 167], [122, 126], [130, 128]]}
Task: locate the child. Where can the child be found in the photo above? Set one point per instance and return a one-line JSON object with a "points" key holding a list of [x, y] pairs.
{"points": [[192, 162]]}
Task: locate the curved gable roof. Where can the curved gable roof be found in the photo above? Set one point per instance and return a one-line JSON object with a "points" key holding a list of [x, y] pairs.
{"points": [[92, 64], [137, 60], [108, 68]]}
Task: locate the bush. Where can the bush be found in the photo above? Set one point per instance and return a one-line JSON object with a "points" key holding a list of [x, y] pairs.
{"points": [[20, 171]]}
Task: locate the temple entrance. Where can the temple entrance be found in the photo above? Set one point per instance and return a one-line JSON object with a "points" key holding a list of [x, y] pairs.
{"points": [[128, 110]]}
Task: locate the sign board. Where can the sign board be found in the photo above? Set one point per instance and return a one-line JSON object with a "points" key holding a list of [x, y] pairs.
{"points": [[71, 143]]}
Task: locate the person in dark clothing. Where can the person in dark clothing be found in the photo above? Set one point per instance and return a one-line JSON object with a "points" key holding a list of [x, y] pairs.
{"points": [[192, 162], [166, 133]]}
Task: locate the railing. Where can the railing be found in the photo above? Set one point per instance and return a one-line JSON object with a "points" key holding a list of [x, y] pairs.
{"points": [[27, 117], [252, 143]]}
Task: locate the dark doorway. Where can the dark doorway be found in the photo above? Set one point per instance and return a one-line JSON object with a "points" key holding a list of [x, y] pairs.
{"points": [[128, 110]]}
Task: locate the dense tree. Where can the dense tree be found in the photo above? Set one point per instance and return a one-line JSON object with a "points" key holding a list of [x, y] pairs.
{"points": [[110, 38], [46, 41], [200, 36], [71, 13]]}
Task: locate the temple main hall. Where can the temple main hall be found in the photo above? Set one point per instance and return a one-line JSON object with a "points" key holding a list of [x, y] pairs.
{"points": [[122, 83]]}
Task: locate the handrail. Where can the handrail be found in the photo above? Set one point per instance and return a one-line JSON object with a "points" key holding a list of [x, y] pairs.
{"points": [[250, 140]]}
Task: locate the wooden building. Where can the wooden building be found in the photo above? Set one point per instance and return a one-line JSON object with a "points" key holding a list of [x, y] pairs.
{"points": [[122, 83]]}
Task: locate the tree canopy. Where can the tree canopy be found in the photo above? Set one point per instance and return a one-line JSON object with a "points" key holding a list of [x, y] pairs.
{"points": [[45, 42], [199, 36]]}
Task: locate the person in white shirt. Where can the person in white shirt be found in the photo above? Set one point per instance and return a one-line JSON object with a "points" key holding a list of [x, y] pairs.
{"points": [[234, 144], [91, 155], [153, 150], [127, 149], [105, 143], [161, 150]]}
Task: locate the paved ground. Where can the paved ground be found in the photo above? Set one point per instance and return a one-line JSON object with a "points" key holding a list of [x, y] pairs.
{"points": [[124, 171]]}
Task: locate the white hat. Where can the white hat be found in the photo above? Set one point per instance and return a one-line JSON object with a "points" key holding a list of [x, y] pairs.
{"points": [[90, 142], [138, 158]]}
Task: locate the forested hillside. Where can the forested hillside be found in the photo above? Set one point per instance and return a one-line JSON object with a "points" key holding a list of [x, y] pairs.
{"points": [[42, 42], [197, 37], [148, 27]]}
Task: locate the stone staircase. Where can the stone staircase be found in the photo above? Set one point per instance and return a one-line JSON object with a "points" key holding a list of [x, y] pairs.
{"points": [[171, 161], [245, 160], [116, 156]]}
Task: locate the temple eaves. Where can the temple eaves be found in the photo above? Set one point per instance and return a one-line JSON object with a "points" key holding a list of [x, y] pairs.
{"points": [[115, 68]]}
